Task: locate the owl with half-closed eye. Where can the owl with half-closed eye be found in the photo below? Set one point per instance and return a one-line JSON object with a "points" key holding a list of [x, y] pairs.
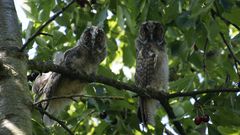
{"points": [[151, 68], [84, 58]]}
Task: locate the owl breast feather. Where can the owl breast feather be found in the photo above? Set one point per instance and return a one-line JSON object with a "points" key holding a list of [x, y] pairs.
{"points": [[145, 68]]}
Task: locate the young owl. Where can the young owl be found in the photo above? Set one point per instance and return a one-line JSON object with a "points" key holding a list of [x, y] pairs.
{"points": [[151, 67], [84, 58]]}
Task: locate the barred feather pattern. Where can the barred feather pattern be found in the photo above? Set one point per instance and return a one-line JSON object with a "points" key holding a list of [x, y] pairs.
{"points": [[151, 68], [84, 58]]}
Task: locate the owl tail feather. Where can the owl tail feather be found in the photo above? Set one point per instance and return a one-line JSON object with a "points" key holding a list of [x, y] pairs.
{"points": [[53, 108], [146, 112]]}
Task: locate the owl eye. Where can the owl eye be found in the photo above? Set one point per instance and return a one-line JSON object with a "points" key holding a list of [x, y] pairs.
{"points": [[143, 33], [99, 38], [87, 37]]}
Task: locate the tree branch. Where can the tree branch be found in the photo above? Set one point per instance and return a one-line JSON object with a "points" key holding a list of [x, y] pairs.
{"points": [[227, 22], [47, 67], [38, 32], [55, 119], [81, 96], [229, 48], [207, 91], [217, 13], [159, 95], [163, 97]]}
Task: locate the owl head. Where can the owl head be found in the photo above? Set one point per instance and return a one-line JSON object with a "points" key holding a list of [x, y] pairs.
{"points": [[151, 32], [93, 38]]}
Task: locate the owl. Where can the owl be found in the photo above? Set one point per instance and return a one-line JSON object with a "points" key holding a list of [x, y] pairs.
{"points": [[84, 58], [151, 68]]}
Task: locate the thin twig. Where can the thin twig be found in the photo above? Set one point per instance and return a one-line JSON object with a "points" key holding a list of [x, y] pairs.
{"points": [[79, 121], [229, 48], [236, 61], [207, 91], [224, 19], [45, 34], [45, 24], [55, 119], [225, 41], [81, 96]]}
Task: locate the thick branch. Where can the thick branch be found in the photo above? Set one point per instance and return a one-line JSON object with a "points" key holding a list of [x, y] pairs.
{"points": [[38, 32], [46, 67], [55, 119]]}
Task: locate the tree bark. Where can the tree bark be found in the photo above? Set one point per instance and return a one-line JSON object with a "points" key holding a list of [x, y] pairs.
{"points": [[15, 101]]}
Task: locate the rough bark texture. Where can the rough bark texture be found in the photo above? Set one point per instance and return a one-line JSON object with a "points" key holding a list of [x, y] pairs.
{"points": [[15, 102]]}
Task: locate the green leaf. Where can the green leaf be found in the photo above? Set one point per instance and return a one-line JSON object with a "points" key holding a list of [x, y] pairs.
{"points": [[184, 21], [101, 16], [220, 118], [120, 18], [171, 12], [212, 130], [227, 4], [233, 16], [182, 84], [229, 130], [130, 21], [200, 7], [128, 55], [212, 28]]}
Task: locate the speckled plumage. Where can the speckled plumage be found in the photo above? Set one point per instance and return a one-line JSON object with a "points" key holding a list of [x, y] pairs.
{"points": [[85, 58], [151, 67]]}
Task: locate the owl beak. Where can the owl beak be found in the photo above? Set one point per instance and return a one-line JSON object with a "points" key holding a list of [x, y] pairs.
{"points": [[151, 37]]}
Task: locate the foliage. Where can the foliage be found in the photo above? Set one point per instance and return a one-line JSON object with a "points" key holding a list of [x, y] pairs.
{"points": [[198, 60]]}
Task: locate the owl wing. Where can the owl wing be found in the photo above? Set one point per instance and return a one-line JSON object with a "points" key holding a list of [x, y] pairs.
{"points": [[39, 84], [55, 78], [52, 84], [145, 69], [45, 86]]}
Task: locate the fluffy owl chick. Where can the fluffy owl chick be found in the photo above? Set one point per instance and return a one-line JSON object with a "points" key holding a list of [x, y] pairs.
{"points": [[151, 68], [85, 58]]}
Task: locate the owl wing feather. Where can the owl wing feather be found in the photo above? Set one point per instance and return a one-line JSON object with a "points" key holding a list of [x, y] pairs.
{"points": [[39, 84], [144, 76], [82, 58], [55, 78]]}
